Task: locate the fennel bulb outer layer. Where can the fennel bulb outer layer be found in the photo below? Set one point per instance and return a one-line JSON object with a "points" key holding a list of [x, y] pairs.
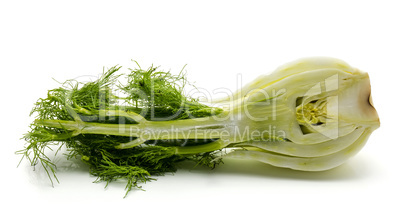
{"points": [[312, 114]]}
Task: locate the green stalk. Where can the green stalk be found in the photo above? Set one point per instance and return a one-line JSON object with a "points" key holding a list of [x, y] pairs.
{"points": [[198, 128], [209, 147]]}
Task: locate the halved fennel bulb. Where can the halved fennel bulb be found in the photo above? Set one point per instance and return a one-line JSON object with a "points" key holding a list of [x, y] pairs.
{"points": [[312, 114]]}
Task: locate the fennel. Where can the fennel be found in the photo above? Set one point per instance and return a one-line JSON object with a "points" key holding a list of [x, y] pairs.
{"points": [[312, 114]]}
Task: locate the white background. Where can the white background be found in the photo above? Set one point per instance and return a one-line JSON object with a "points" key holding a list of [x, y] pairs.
{"points": [[41, 40]]}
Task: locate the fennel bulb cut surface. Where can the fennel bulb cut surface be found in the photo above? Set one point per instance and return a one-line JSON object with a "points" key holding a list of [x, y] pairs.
{"points": [[321, 109], [312, 114]]}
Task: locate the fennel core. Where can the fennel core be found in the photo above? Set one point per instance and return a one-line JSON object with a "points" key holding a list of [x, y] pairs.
{"points": [[312, 114]]}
